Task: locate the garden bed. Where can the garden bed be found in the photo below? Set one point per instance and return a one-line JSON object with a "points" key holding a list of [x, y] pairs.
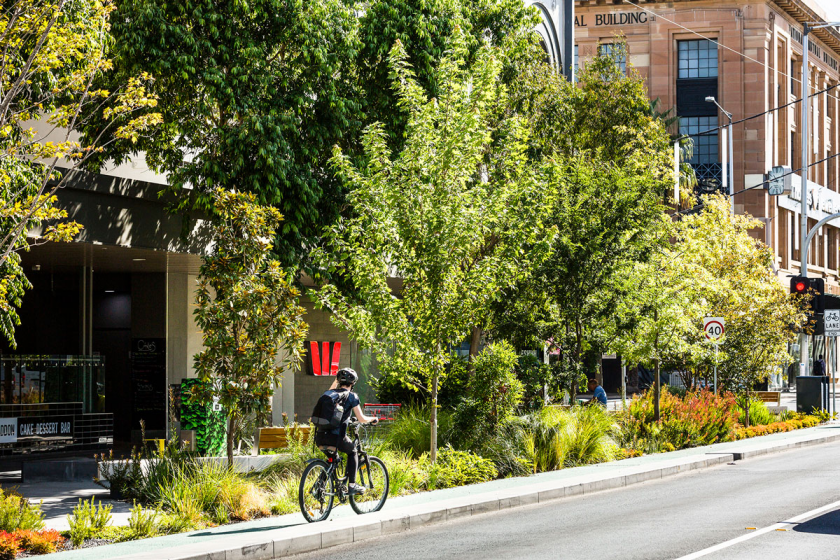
{"points": [[178, 492]]}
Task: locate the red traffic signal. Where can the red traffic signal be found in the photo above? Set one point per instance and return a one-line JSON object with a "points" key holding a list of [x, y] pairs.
{"points": [[815, 287]]}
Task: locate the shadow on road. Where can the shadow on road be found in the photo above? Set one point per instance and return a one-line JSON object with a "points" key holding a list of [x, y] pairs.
{"points": [[826, 524]]}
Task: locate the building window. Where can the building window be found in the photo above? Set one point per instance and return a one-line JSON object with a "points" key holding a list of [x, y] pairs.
{"points": [[705, 145], [697, 59], [697, 79], [617, 52], [792, 79], [576, 60]]}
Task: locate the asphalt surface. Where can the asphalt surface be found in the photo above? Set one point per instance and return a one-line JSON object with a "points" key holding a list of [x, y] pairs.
{"points": [[666, 519]]}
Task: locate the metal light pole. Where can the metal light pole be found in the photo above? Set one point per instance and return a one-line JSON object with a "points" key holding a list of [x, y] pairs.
{"points": [[803, 268], [729, 149]]}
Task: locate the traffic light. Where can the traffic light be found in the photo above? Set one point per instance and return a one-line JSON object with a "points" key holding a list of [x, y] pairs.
{"points": [[815, 287]]}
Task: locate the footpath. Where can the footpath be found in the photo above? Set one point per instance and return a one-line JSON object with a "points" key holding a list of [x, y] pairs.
{"points": [[282, 536]]}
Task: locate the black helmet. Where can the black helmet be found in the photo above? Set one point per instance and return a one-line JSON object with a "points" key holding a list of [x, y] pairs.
{"points": [[347, 376]]}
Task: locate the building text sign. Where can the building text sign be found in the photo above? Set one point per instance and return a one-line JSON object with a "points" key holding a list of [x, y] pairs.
{"points": [[324, 359], [36, 428], [615, 18], [831, 320]]}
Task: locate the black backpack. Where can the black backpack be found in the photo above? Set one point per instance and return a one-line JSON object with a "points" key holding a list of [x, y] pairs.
{"points": [[329, 410]]}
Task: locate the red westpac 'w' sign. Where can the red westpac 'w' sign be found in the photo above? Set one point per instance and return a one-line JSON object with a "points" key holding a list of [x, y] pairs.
{"points": [[320, 358]]}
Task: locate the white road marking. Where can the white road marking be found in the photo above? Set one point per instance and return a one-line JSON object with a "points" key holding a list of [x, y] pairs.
{"points": [[759, 532]]}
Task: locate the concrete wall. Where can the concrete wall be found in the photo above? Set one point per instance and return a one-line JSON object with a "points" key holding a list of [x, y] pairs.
{"points": [[305, 387], [183, 339]]}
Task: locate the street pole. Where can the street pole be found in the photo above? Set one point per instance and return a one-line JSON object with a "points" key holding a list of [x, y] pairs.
{"points": [[803, 269], [731, 167], [728, 170], [623, 385], [716, 362]]}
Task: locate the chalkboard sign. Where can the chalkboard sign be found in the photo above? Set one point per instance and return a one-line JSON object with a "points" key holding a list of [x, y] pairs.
{"points": [[148, 379]]}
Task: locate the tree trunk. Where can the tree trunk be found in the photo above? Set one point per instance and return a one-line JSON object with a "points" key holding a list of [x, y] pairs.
{"points": [[747, 413], [475, 339], [656, 383], [230, 430], [433, 419]]}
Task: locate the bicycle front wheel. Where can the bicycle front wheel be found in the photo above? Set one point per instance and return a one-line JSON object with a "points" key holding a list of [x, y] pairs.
{"points": [[374, 477], [316, 492]]}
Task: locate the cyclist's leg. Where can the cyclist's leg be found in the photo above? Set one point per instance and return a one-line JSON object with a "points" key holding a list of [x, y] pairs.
{"points": [[347, 446]]}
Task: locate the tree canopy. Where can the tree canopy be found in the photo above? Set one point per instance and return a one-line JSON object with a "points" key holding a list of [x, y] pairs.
{"points": [[452, 216]]}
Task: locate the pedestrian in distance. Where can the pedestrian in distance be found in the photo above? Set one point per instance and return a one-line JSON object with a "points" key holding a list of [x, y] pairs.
{"points": [[599, 396], [819, 366]]}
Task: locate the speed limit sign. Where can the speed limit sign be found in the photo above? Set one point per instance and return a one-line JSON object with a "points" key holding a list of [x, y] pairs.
{"points": [[714, 327]]}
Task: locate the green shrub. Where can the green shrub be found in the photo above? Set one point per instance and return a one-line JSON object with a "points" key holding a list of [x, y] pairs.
{"points": [[459, 468], [143, 522], [390, 387], [17, 513], [493, 395], [87, 518], [555, 438], [759, 415], [588, 438], [110, 533], [412, 432], [170, 524], [406, 474]]}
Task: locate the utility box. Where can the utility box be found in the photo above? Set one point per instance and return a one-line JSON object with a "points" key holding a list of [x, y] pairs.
{"points": [[811, 392]]}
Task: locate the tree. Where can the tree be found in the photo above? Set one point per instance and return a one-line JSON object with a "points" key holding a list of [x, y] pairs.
{"points": [[253, 95], [248, 311], [425, 29], [52, 52], [757, 308], [712, 266], [452, 217], [615, 161]]}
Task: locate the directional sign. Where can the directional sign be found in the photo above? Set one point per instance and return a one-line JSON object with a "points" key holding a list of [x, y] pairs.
{"points": [[831, 321], [714, 327], [779, 180]]}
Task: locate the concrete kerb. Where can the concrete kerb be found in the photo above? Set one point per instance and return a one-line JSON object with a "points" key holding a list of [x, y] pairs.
{"points": [[279, 543]]}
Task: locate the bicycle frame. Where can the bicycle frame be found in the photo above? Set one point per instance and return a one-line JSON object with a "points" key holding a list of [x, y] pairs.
{"points": [[335, 461]]}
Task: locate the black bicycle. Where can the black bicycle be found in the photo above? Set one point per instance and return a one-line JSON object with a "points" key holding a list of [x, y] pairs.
{"points": [[322, 481]]}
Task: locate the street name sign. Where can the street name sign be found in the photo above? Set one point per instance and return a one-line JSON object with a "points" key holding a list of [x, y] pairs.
{"points": [[713, 328], [831, 320]]}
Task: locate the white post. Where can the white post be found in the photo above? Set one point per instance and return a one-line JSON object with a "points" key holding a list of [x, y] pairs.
{"points": [[623, 385], [731, 168], [803, 250], [725, 157], [677, 174]]}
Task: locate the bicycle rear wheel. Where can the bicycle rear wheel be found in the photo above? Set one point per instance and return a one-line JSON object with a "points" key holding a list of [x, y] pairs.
{"points": [[316, 492], [374, 477]]}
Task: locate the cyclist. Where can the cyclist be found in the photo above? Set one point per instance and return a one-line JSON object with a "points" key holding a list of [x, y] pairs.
{"points": [[344, 381]]}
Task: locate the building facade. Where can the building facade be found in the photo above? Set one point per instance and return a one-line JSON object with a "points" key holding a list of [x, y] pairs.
{"points": [[748, 55]]}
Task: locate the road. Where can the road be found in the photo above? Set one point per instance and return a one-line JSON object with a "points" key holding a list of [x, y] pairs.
{"points": [[675, 518]]}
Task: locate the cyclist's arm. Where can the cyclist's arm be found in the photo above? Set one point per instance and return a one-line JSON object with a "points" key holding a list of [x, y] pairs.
{"points": [[334, 384], [360, 416]]}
